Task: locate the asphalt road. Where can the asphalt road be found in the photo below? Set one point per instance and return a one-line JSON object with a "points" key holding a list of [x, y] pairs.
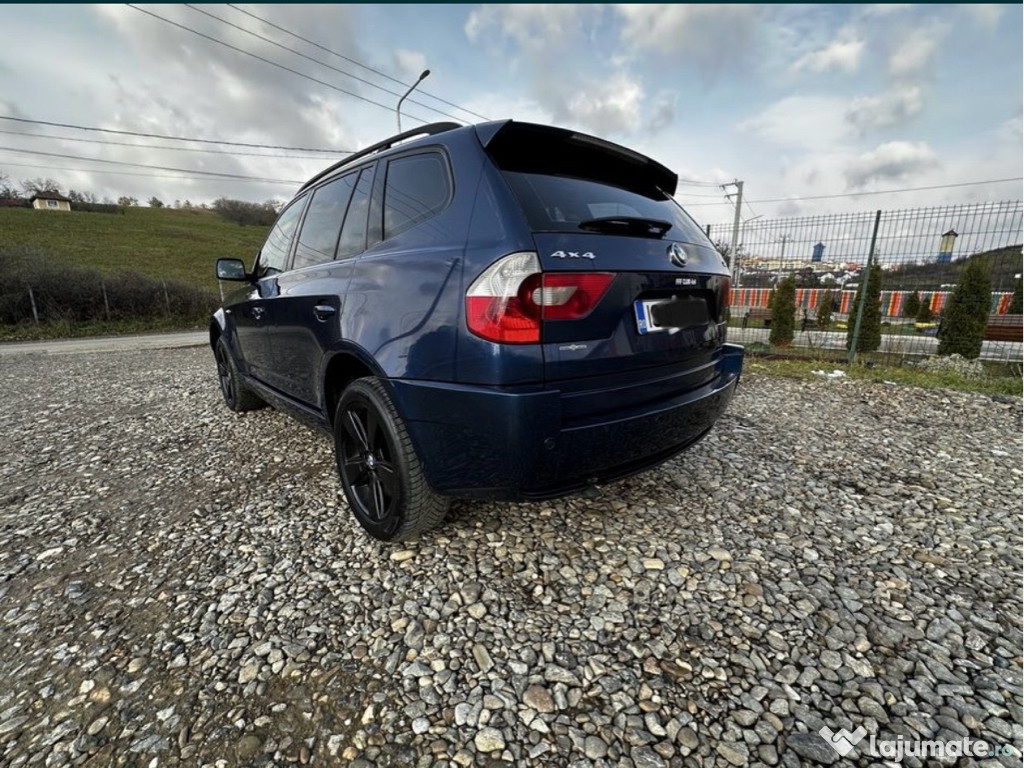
{"points": [[107, 343]]}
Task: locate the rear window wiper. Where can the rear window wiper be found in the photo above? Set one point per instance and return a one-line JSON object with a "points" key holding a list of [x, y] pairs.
{"points": [[649, 227]]}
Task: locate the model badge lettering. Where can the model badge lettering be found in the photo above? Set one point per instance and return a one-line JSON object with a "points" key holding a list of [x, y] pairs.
{"points": [[572, 347], [573, 255]]}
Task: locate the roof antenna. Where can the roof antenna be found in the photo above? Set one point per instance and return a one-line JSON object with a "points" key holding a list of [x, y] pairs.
{"points": [[398, 109]]}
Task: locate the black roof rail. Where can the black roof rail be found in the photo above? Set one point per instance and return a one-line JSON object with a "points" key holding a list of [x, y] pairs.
{"points": [[424, 130]]}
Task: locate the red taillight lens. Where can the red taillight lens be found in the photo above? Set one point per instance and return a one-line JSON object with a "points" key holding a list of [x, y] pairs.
{"points": [[726, 295], [510, 298], [571, 295]]}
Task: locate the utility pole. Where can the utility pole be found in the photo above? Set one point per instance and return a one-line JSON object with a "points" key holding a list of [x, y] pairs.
{"points": [[782, 255], [735, 226]]}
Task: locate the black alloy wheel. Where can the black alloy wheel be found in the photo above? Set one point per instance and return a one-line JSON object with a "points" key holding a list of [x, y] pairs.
{"points": [[380, 472], [237, 394], [367, 462]]}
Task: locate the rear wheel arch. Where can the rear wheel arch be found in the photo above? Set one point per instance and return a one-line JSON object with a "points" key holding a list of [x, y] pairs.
{"points": [[341, 370]]}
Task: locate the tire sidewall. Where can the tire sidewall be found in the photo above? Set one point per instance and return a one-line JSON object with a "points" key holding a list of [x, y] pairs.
{"points": [[232, 400], [362, 392]]}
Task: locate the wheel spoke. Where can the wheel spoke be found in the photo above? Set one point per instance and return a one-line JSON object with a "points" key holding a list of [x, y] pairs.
{"points": [[388, 479], [356, 429], [379, 507], [372, 430]]}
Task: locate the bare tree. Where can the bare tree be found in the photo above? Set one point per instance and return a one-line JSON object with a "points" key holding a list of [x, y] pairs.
{"points": [[7, 188], [39, 184]]}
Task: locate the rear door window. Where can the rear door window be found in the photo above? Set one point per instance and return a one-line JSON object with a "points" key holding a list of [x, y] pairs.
{"points": [[353, 233], [318, 237], [417, 188], [274, 254]]}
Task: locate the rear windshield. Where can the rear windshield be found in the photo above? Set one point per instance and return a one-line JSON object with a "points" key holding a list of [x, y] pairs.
{"points": [[560, 204]]}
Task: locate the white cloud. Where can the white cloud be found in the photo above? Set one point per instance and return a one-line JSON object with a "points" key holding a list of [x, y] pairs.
{"points": [[891, 108], [530, 26], [410, 63], [916, 50], [800, 121], [985, 15], [844, 53], [708, 35], [608, 106], [894, 160], [822, 122]]}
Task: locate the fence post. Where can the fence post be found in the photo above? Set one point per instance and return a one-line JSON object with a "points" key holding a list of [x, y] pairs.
{"points": [[32, 301], [863, 292], [106, 304], [167, 299]]}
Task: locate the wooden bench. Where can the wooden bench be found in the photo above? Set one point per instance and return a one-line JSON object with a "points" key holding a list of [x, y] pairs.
{"points": [[1004, 328], [758, 313]]}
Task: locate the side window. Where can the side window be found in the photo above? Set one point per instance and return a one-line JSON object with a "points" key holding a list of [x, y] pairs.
{"points": [[319, 234], [274, 254], [416, 188], [353, 233]]}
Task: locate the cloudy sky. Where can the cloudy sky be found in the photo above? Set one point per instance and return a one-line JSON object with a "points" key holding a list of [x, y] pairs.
{"points": [[798, 101]]}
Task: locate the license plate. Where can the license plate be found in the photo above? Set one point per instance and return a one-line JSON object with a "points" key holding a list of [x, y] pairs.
{"points": [[654, 315]]}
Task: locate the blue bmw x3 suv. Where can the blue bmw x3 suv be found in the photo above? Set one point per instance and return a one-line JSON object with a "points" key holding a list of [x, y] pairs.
{"points": [[504, 311]]}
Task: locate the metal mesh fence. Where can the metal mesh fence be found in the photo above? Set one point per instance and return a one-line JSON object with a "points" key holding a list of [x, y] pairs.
{"points": [[946, 280]]}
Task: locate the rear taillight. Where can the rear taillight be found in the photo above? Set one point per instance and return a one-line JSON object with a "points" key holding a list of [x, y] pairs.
{"points": [[508, 301], [570, 295], [726, 295], [497, 307]]}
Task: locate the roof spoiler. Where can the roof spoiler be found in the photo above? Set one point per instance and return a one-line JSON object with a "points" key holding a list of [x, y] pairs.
{"points": [[529, 147], [424, 130]]}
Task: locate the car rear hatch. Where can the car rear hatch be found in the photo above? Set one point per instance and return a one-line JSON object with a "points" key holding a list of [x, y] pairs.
{"points": [[633, 294]]}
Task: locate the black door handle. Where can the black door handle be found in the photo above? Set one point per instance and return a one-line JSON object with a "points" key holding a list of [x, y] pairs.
{"points": [[323, 311]]}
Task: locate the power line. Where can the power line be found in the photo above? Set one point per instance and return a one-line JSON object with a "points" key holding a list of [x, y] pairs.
{"points": [[120, 173], [173, 138], [160, 146], [352, 61], [268, 61], [879, 192], [317, 61], [153, 167]]}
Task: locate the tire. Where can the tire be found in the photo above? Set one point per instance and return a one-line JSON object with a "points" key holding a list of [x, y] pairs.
{"points": [[237, 394], [380, 472]]}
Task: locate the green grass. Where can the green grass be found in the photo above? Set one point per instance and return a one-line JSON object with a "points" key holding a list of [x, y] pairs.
{"points": [[163, 243], [1000, 381]]}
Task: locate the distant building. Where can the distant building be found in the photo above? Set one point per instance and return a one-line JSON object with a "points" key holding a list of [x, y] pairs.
{"points": [[818, 252], [946, 246], [50, 201]]}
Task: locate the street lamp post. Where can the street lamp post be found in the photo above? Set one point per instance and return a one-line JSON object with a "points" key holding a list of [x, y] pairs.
{"points": [[398, 109]]}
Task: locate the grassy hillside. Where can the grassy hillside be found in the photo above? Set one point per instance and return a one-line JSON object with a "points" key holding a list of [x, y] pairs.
{"points": [[158, 242]]}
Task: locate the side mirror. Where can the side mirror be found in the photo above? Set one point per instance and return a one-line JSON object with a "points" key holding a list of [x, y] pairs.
{"points": [[231, 269]]}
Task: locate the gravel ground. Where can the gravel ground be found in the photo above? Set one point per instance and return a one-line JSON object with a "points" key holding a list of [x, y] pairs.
{"points": [[182, 585]]}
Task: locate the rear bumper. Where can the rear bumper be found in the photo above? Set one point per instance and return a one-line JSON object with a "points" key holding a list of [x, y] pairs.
{"points": [[513, 444]]}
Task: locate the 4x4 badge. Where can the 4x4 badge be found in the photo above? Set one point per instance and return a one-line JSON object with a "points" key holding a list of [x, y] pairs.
{"points": [[677, 254], [572, 255]]}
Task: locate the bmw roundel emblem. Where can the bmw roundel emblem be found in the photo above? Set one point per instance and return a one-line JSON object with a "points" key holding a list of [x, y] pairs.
{"points": [[677, 254]]}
